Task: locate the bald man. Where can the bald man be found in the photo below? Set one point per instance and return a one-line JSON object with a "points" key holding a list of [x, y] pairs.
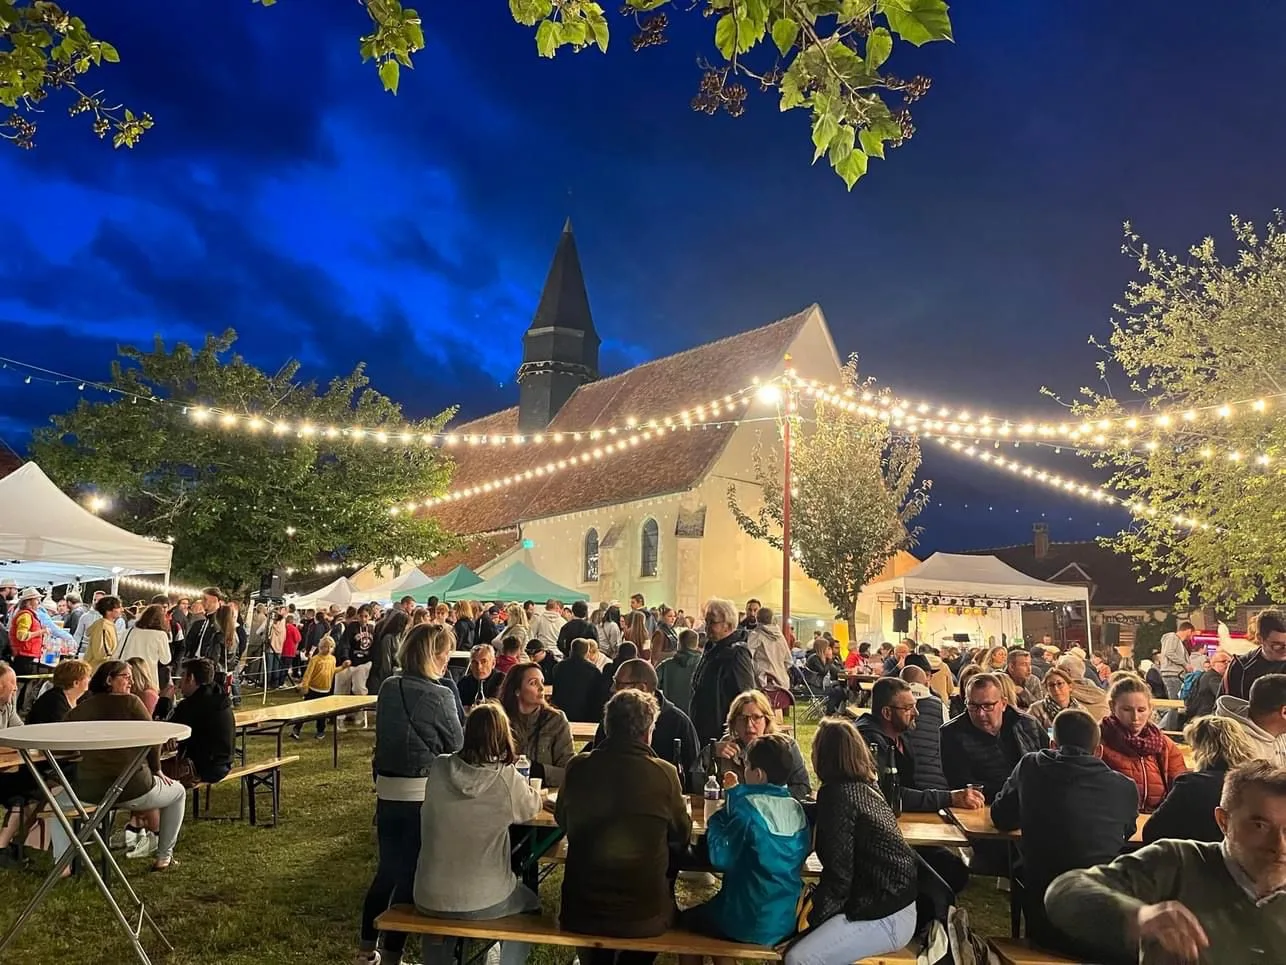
{"points": [[671, 725]]}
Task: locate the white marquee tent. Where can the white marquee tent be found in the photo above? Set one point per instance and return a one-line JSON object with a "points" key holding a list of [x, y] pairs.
{"points": [[966, 582], [335, 593], [47, 537]]}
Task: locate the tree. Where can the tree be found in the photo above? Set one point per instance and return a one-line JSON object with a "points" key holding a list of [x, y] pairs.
{"points": [[1200, 340], [825, 56], [236, 503], [853, 497]]}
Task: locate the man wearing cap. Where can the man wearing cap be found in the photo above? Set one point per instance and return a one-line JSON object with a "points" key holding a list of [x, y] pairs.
{"points": [[26, 636], [8, 590]]}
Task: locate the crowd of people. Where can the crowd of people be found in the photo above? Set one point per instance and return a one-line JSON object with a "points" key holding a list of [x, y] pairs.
{"points": [[1054, 746]]}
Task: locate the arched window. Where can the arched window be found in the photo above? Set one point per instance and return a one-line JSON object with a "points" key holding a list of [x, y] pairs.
{"points": [[591, 557], [651, 548]]}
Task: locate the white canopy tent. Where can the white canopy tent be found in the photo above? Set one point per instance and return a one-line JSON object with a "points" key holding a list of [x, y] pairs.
{"points": [[46, 537], [963, 582], [338, 592], [412, 579]]}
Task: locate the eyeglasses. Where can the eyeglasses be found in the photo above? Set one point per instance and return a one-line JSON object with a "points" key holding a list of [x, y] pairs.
{"points": [[904, 709], [749, 718], [985, 708]]}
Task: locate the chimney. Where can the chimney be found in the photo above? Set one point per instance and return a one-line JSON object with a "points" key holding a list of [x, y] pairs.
{"points": [[1040, 540]]}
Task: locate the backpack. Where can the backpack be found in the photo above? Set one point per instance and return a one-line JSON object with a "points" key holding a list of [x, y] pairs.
{"points": [[1189, 684]]}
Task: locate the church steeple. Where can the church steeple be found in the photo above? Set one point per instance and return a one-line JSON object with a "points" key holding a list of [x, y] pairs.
{"points": [[560, 349]]}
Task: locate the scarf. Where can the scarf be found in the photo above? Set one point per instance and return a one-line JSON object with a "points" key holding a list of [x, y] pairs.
{"points": [[1146, 744], [1052, 709]]}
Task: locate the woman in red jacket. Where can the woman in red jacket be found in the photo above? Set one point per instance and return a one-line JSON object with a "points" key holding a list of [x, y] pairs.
{"points": [[1134, 746]]}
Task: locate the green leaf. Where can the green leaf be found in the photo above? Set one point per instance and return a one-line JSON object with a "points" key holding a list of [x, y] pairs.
{"points": [[825, 127], [390, 74], [547, 38], [530, 12], [851, 10], [598, 26], [841, 145], [575, 32], [109, 53], [878, 47], [871, 142], [643, 6], [791, 94], [784, 34], [852, 168], [918, 21], [725, 35]]}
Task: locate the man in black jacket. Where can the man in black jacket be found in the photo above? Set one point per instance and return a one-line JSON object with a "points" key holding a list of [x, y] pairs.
{"points": [[982, 746], [726, 670], [577, 627], [1092, 807], [671, 725], [208, 711], [578, 684]]}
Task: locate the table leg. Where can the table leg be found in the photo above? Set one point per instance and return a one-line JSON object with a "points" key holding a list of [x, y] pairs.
{"points": [[78, 841], [334, 736]]}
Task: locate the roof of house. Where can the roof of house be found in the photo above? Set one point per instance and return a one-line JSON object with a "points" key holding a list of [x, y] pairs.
{"points": [[1111, 576], [668, 463], [475, 553]]}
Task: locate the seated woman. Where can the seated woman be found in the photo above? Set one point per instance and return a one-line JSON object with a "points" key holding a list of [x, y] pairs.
{"points": [[109, 698], [1188, 811], [760, 840], [482, 680], [416, 720], [1134, 746], [471, 799], [541, 732], [824, 673], [864, 903], [1058, 697], [624, 813], [142, 685], [750, 717]]}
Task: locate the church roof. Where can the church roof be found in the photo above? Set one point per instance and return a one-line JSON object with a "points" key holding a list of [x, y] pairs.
{"points": [[670, 463], [564, 301]]}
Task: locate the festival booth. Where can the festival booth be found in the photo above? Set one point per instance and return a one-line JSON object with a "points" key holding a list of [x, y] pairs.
{"points": [[336, 593], [518, 582], [457, 578], [48, 538], [952, 598], [390, 589]]}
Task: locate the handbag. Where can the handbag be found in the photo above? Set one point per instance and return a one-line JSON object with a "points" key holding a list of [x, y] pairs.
{"points": [[182, 770]]}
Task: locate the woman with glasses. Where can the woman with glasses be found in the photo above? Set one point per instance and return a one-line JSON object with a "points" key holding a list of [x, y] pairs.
{"points": [[751, 716]]}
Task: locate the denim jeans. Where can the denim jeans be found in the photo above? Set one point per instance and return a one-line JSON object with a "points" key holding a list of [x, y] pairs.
{"points": [[838, 941], [441, 951], [397, 828], [172, 799]]}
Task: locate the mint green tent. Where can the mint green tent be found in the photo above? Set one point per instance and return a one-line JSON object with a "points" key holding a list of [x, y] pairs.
{"points": [[454, 580], [516, 584]]}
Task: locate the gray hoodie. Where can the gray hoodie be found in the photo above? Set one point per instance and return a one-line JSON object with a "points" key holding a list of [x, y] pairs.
{"points": [[464, 834], [1267, 747], [772, 654]]}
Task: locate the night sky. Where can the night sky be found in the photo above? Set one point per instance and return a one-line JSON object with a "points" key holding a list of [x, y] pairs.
{"points": [[284, 194]]}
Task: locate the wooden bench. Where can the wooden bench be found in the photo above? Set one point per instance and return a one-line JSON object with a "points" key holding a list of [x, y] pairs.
{"points": [[538, 930], [558, 855], [1015, 951], [260, 775]]}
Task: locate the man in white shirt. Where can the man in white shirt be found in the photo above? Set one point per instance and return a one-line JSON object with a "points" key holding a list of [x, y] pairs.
{"points": [[546, 625]]}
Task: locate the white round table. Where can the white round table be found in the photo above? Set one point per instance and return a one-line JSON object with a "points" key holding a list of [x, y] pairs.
{"points": [[73, 736]]}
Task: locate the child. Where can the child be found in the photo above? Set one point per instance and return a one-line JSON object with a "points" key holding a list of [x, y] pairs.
{"points": [[760, 840], [318, 680]]}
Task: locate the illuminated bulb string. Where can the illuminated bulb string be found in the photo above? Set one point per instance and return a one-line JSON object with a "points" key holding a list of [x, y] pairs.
{"points": [[157, 586]]}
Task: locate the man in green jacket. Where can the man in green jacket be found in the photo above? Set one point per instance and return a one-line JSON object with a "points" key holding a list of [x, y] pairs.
{"points": [[1194, 902]]}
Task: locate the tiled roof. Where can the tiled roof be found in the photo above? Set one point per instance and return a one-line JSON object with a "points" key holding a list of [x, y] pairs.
{"points": [[1115, 582], [670, 463], [9, 460], [474, 553]]}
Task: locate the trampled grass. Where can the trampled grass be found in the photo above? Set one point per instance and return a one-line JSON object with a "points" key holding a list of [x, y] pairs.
{"points": [[284, 895]]}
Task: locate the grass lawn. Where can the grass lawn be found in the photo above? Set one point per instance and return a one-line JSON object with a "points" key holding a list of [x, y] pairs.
{"points": [[290, 894]]}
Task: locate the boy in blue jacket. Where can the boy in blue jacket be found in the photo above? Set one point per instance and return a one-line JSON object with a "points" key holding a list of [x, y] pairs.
{"points": [[759, 840]]}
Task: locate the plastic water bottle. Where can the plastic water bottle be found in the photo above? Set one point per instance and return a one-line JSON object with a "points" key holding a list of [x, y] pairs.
{"points": [[524, 767], [712, 790]]}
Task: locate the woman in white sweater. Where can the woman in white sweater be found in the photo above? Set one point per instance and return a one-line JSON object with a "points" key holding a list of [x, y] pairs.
{"points": [[471, 799], [149, 639]]}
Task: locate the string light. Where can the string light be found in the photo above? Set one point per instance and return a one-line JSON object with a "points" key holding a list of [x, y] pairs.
{"points": [[323, 568], [158, 587]]}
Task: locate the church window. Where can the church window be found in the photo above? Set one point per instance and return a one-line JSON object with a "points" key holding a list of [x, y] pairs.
{"points": [[651, 548], [591, 557]]}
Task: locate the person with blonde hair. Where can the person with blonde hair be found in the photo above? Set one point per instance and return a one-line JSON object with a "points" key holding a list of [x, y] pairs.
{"points": [[1134, 746], [750, 717], [318, 681], [1218, 744], [142, 684], [70, 682], [472, 798], [1058, 698]]}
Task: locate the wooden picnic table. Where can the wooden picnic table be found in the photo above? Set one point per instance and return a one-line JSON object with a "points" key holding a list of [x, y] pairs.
{"points": [[275, 717], [1167, 703], [582, 731]]}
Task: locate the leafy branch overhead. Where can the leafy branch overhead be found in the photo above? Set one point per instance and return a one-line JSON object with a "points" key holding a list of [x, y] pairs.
{"points": [[823, 56]]}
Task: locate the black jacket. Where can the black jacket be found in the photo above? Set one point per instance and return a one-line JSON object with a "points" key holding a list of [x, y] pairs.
{"points": [[208, 711], [578, 690], [913, 799], [925, 743], [1246, 669], [1188, 810], [672, 724], [726, 669], [475, 691], [51, 707], [573, 629], [1074, 812], [971, 756]]}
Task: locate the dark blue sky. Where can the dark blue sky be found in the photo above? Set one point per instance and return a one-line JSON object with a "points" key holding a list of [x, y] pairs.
{"points": [[283, 194]]}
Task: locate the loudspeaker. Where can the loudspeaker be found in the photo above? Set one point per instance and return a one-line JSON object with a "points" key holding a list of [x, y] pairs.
{"points": [[901, 620], [960, 637], [270, 584]]}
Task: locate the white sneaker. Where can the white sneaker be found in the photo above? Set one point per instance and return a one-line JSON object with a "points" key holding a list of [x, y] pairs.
{"points": [[366, 958], [146, 845]]}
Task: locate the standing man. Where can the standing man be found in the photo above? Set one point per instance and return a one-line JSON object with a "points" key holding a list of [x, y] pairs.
{"points": [[752, 615], [726, 670], [637, 603], [1173, 666]]}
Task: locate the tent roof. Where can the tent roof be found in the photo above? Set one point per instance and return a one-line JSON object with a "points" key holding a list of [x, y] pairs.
{"points": [[517, 582], [458, 578], [951, 574], [48, 537], [337, 592]]}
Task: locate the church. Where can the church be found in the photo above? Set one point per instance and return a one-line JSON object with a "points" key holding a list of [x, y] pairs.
{"points": [[649, 518]]}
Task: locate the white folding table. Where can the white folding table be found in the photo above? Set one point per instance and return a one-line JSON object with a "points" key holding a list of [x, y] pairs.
{"points": [[78, 736]]}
